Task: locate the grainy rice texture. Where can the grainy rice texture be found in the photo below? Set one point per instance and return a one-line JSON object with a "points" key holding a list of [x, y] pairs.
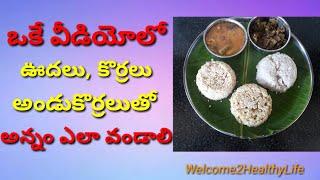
{"points": [[251, 105], [216, 80], [276, 72]]}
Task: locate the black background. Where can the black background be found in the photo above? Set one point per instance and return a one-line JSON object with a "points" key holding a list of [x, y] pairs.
{"points": [[193, 134]]}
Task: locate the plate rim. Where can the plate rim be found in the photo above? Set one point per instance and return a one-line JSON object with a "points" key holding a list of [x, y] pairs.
{"points": [[305, 53]]}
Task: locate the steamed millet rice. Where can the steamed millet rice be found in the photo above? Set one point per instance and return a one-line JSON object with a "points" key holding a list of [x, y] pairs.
{"points": [[216, 80], [251, 105], [276, 72]]}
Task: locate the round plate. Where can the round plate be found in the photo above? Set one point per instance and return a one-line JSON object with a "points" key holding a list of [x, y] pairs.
{"points": [[286, 107]]}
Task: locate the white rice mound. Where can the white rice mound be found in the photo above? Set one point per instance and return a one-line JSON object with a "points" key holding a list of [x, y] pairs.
{"points": [[276, 72], [251, 105], [216, 80]]}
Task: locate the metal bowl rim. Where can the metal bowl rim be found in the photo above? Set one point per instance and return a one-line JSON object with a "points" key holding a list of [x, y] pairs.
{"points": [[286, 25], [225, 20]]}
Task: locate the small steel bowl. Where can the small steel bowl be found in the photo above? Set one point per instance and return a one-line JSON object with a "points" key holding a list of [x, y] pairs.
{"points": [[225, 20], [281, 23]]}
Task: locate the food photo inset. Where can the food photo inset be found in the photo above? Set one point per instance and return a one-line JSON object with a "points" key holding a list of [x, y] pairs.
{"points": [[245, 77]]}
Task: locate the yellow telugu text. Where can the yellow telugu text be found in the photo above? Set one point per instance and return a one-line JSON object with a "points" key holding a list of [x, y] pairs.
{"points": [[99, 104], [122, 71], [56, 69], [53, 70]]}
